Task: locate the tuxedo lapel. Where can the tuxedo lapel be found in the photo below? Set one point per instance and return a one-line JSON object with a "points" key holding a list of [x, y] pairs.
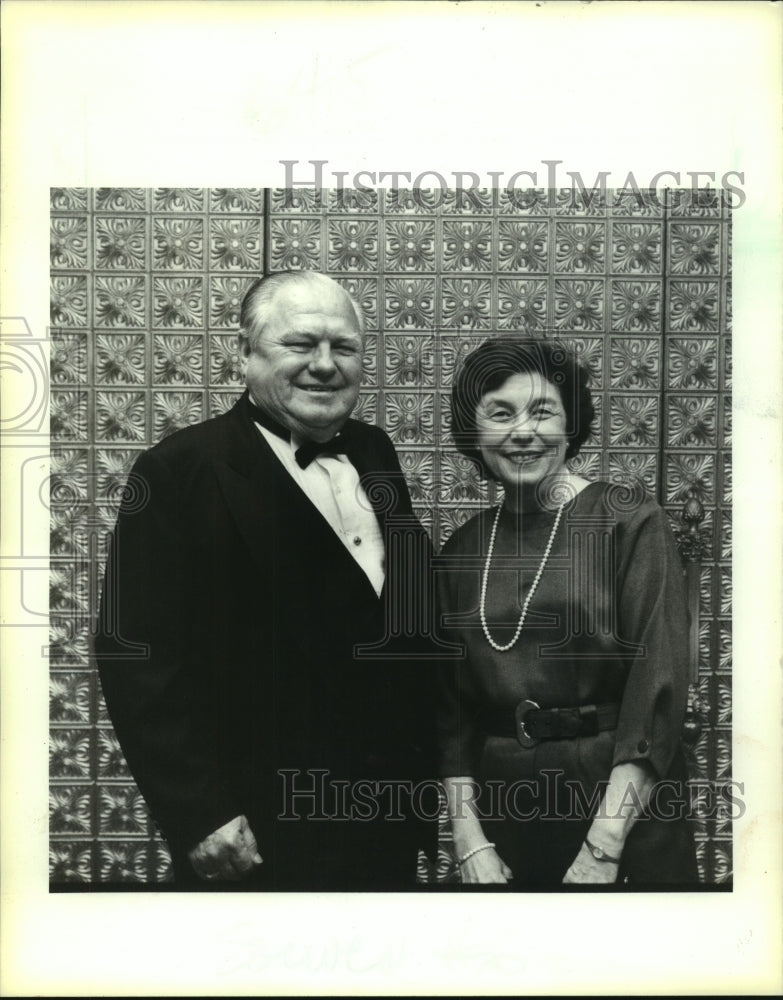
{"points": [[280, 525]]}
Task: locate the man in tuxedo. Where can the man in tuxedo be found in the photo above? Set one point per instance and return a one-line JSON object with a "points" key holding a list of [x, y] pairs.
{"points": [[275, 712]]}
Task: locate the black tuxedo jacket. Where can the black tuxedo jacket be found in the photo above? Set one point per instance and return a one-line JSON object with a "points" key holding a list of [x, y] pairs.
{"points": [[228, 634]]}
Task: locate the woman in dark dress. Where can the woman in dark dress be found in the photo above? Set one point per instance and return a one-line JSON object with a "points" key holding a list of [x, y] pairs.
{"points": [[559, 728]]}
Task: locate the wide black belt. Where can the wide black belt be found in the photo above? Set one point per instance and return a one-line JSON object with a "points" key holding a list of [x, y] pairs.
{"points": [[530, 723]]}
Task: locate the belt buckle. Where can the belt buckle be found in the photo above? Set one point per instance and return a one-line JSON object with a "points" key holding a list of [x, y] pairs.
{"points": [[520, 714]]}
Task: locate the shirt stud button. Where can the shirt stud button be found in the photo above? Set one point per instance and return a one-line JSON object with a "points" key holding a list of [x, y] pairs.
{"points": [[357, 540], [643, 746]]}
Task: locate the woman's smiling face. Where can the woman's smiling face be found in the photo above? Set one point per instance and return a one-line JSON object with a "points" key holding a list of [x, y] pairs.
{"points": [[522, 431]]}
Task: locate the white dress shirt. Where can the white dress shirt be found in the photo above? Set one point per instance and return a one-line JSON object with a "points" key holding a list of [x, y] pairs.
{"points": [[332, 484]]}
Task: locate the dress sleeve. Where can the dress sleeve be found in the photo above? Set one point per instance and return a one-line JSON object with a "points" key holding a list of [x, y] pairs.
{"points": [[653, 613], [459, 739]]}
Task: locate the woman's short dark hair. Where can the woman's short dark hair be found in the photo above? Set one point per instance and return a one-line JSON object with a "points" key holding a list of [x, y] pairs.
{"points": [[496, 360]]}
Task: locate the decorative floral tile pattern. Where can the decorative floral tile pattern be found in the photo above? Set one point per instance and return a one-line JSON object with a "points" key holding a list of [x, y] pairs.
{"points": [[235, 200], [178, 302], [121, 359], [70, 753], [68, 300], [636, 202], [353, 245], [366, 292], [691, 421], [146, 287], [636, 306], [178, 359], [703, 203], [69, 697], [453, 350], [636, 248], [410, 303], [692, 363], [124, 862], [468, 200], [523, 246], [70, 862], [580, 247], [694, 248], [177, 200], [410, 360], [296, 244], [68, 415], [68, 535], [465, 303], [224, 360], [579, 305], [68, 364], [120, 416], [572, 201], [235, 244], [693, 306], [121, 810], [120, 243], [526, 201], [174, 410], [225, 302], [417, 466], [458, 481], [409, 245], [409, 417], [121, 199], [628, 467], [522, 305], [120, 301], [690, 475], [68, 242], [69, 199], [179, 244], [635, 363], [634, 421], [70, 809], [111, 762], [466, 246]]}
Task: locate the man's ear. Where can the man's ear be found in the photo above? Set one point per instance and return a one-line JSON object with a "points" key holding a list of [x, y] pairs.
{"points": [[245, 350]]}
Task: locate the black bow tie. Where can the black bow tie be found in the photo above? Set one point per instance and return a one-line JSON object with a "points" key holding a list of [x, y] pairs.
{"points": [[341, 444]]}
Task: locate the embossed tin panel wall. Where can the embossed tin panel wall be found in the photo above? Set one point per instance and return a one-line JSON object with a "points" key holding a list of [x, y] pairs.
{"points": [[146, 286]]}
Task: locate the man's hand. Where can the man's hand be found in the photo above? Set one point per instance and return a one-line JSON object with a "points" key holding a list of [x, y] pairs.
{"points": [[229, 853]]}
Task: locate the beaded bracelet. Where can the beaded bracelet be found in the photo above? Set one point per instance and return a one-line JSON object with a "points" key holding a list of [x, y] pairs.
{"points": [[481, 847]]}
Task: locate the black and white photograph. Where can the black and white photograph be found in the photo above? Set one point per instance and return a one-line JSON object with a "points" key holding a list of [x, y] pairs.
{"points": [[233, 690], [390, 535]]}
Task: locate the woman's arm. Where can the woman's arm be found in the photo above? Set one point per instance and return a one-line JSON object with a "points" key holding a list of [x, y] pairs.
{"points": [[485, 865], [653, 613], [624, 801]]}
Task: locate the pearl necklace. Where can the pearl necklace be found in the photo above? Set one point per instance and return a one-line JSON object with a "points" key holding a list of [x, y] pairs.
{"points": [[485, 580]]}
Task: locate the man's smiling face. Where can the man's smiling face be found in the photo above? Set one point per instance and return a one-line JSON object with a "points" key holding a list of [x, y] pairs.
{"points": [[306, 367]]}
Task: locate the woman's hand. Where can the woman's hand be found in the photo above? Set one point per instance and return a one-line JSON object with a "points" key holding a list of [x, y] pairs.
{"points": [[586, 870], [485, 867], [615, 818]]}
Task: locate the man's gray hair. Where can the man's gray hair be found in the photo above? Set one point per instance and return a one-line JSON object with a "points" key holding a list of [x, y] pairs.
{"points": [[258, 299]]}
